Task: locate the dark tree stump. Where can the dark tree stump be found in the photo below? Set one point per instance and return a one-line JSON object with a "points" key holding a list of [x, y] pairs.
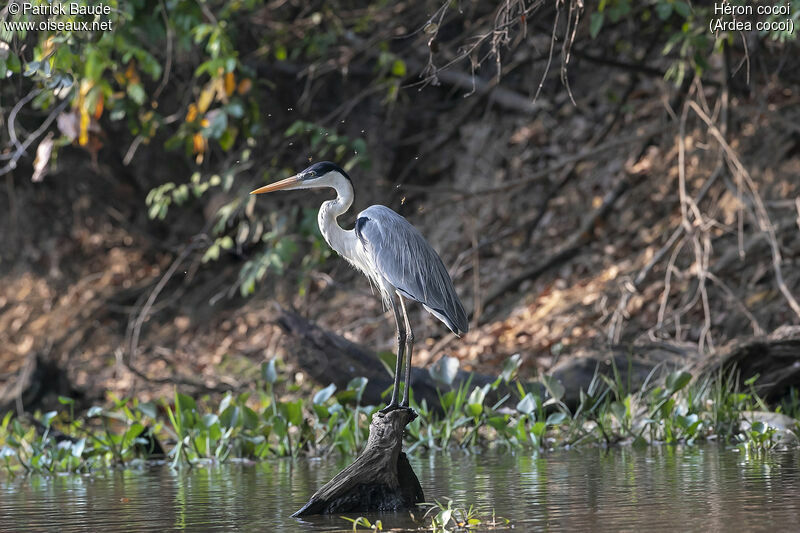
{"points": [[380, 479]]}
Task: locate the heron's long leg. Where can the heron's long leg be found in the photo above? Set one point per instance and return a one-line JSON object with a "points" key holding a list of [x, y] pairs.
{"points": [[409, 350], [401, 343]]}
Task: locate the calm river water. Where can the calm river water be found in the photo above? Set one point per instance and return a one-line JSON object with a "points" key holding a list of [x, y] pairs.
{"points": [[703, 488]]}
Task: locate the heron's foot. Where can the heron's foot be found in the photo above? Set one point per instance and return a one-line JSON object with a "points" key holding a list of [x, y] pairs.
{"points": [[394, 407], [390, 407]]}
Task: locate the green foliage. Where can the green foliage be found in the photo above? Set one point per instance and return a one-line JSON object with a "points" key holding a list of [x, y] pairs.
{"points": [[444, 518], [259, 425], [362, 521], [172, 73]]}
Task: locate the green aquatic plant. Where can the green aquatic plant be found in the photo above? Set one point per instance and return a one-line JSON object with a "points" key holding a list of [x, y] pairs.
{"points": [[442, 518], [262, 424], [445, 518]]}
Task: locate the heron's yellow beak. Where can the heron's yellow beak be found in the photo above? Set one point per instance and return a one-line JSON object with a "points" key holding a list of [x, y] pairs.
{"points": [[288, 183]]}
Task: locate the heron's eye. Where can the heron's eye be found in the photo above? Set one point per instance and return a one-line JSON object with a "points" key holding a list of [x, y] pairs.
{"points": [[311, 174]]}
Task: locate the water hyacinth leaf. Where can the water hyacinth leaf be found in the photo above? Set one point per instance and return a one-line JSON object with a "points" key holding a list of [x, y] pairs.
{"points": [[678, 380], [556, 418], [268, 372], [444, 370], [553, 386], [148, 409], [321, 411], [293, 412], [230, 416], [474, 409], [185, 402], [280, 427], [357, 385], [48, 417], [77, 448], [686, 421], [619, 410], [527, 405], [250, 418], [388, 359], [323, 395], [498, 422], [478, 395], [65, 401], [225, 402], [209, 419], [476, 399], [510, 366]]}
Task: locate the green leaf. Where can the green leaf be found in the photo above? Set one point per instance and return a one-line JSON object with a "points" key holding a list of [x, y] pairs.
{"points": [[682, 8], [250, 418], [619, 410], [399, 68], [77, 447], [664, 10], [678, 380], [358, 385], [556, 418], [228, 138], [230, 416], [323, 395], [293, 411], [474, 409], [148, 409], [187, 403], [510, 366], [478, 395], [553, 387], [209, 419], [94, 411], [268, 372], [527, 405], [48, 417], [498, 422], [595, 24], [136, 93], [65, 401]]}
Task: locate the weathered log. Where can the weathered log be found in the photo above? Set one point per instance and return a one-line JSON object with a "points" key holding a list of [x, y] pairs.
{"points": [[380, 479], [37, 384], [775, 358]]}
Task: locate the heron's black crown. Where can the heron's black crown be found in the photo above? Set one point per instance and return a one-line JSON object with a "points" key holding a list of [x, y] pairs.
{"points": [[318, 170]]}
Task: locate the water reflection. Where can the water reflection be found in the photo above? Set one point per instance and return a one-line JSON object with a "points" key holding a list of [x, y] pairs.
{"points": [[699, 488]]}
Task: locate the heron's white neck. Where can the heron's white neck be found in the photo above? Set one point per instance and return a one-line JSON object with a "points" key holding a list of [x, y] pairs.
{"points": [[340, 239]]}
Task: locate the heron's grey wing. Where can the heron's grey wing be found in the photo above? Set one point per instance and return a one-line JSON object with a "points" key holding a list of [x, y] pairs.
{"points": [[403, 257]]}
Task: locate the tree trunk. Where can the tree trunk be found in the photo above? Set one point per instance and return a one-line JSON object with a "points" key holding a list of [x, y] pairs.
{"points": [[380, 479]]}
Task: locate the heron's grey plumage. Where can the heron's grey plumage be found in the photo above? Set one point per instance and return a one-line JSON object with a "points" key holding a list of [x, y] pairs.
{"points": [[404, 259]]}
